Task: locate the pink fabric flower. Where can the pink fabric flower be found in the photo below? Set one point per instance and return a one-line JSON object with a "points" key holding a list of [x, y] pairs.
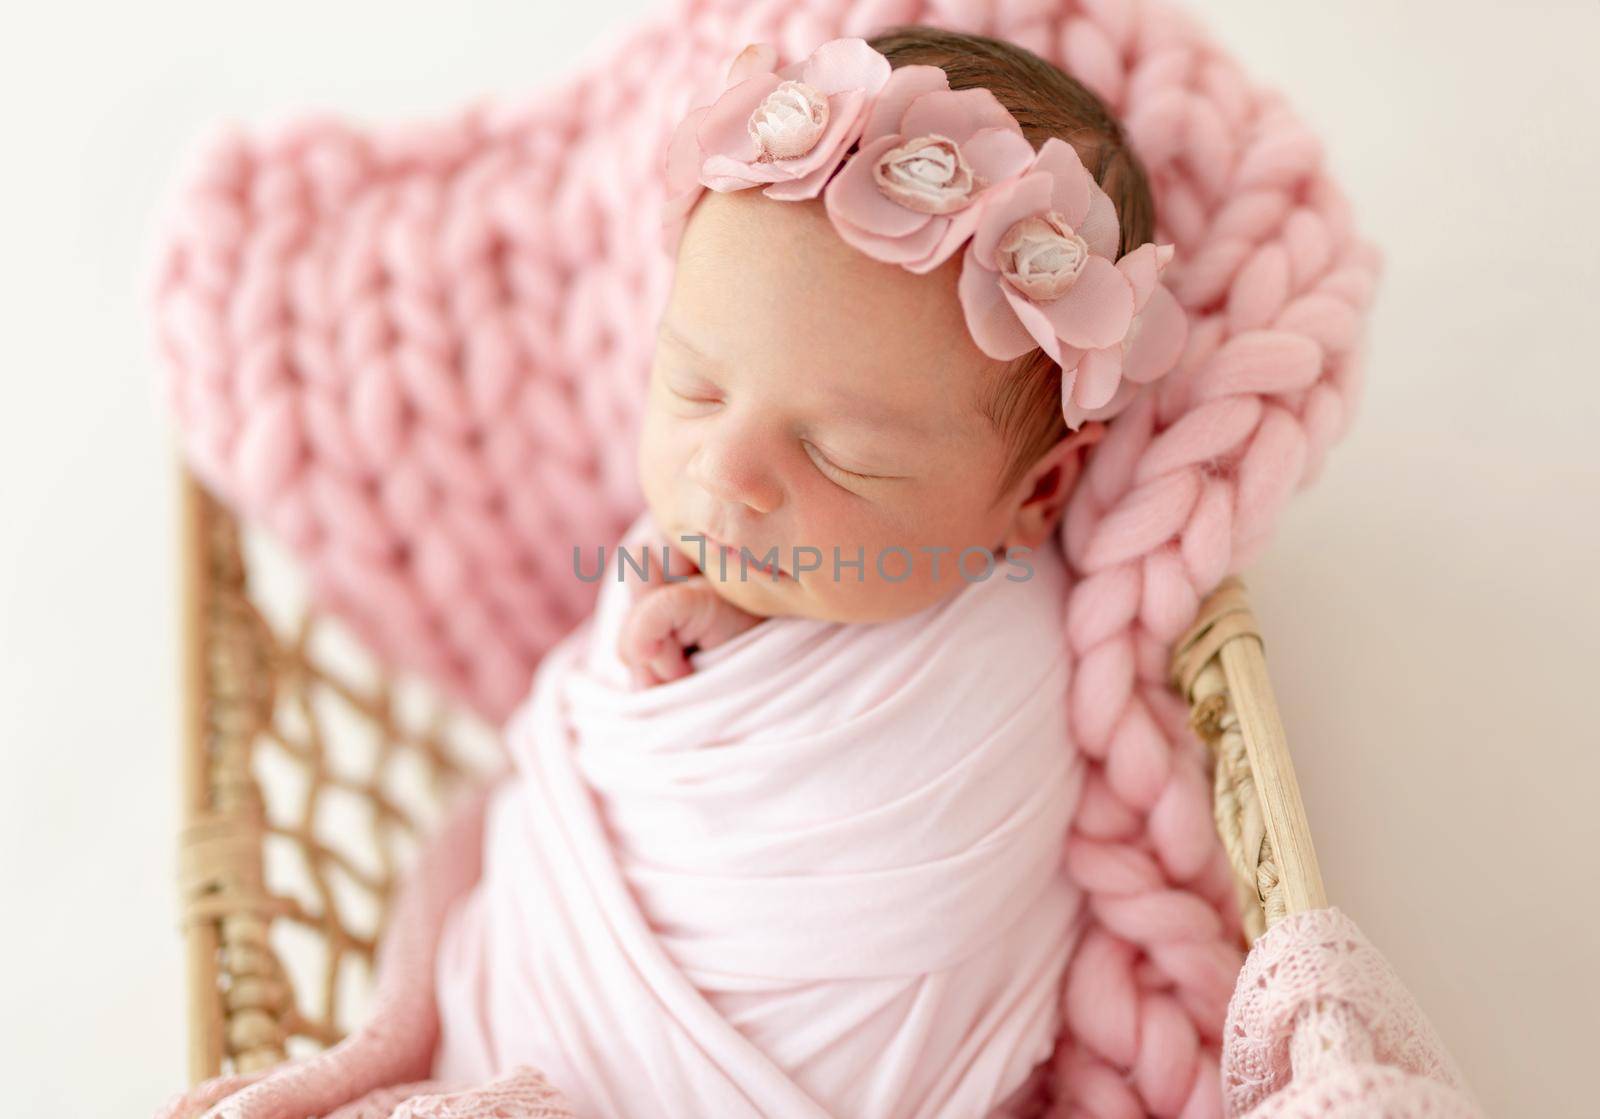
{"points": [[1106, 379], [787, 129], [912, 192], [1038, 272], [1026, 280], [936, 168]]}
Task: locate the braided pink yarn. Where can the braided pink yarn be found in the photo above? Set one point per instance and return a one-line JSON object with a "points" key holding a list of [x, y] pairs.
{"points": [[1183, 490], [418, 356]]}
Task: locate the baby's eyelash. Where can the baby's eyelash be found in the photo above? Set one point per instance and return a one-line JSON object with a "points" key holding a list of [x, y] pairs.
{"points": [[835, 466], [817, 453], [690, 399]]}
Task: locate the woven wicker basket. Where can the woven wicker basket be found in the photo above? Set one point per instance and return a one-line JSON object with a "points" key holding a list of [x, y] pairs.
{"points": [[305, 790]]}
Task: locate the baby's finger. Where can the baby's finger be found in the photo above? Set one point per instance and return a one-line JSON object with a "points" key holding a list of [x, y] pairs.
{"points": [[650, 621], [642, 633], [670, 663], [713, 620], [661, 624]]}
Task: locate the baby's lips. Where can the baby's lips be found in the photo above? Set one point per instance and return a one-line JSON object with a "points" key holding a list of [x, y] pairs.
{"points": [[682, 564]]}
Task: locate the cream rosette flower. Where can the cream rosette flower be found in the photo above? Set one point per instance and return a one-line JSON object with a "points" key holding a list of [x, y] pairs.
{"points": [[1039, 271], [784, 130], [912, 191], [933, 169]]}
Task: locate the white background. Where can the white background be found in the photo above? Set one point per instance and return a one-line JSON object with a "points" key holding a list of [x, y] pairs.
{"points": [[1431, 605]]}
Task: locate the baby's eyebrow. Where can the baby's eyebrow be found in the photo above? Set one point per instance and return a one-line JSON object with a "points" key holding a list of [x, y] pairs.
{"points": [[853, 407], [667, 331]]}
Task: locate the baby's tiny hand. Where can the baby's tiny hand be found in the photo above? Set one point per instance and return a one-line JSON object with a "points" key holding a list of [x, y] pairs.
{"points": [[667, 620]]}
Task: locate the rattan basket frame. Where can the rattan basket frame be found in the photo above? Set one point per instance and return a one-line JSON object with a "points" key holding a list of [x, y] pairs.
{"points": [[244, 1008]]}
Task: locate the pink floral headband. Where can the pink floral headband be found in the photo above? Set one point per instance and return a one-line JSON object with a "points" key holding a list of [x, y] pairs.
{"points": [[937, 169]]}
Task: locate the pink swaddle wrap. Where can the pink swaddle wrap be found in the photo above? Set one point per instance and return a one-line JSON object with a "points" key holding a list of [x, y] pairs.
{"points": [[819, 876]]}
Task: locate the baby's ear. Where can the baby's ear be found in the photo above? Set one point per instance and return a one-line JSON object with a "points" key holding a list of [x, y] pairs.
{"points": [[1048, 485]]}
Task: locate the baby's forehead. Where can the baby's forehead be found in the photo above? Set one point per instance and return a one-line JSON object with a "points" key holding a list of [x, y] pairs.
{"points": [[773, 280]]}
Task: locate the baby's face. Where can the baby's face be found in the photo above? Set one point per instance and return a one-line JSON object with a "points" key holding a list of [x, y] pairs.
{"points": [[808, 398]]}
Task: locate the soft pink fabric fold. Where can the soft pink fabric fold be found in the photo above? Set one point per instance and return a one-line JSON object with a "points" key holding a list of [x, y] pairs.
{"points": [[820, 876]]}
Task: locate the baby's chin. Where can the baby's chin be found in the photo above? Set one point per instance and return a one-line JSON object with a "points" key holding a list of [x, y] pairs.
{"points": [[757, 593]]}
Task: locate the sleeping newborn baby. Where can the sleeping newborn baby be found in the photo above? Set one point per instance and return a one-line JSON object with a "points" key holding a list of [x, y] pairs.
{"points": [[808, 406], [786, 833], [784, 827], [830, 808]]}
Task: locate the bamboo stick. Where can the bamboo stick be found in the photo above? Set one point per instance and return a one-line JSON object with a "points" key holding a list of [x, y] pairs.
{"points": [[1220, 668], [205, 1008]]}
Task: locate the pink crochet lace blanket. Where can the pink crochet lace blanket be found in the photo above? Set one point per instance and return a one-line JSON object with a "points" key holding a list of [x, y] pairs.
{"points": [[416, 354]]}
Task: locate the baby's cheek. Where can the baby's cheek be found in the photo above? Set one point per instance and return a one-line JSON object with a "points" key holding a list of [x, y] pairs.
{"points": [[655, 468]]}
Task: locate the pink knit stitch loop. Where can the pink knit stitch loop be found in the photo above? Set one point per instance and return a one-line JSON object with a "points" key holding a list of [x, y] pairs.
{"points": [[415, 355]]}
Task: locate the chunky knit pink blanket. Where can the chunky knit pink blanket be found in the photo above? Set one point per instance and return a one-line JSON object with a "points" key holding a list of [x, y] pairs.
{"points": [[416, 354]]}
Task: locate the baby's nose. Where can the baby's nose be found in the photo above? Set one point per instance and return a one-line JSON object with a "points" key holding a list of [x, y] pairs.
{"points": [[737, 471]]}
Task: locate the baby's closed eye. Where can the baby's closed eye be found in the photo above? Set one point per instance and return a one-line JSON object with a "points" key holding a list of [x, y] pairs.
{"points": [[830, 462]]}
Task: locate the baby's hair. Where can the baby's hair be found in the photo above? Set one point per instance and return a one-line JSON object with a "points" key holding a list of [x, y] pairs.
{"points": [[1022, 399]]}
